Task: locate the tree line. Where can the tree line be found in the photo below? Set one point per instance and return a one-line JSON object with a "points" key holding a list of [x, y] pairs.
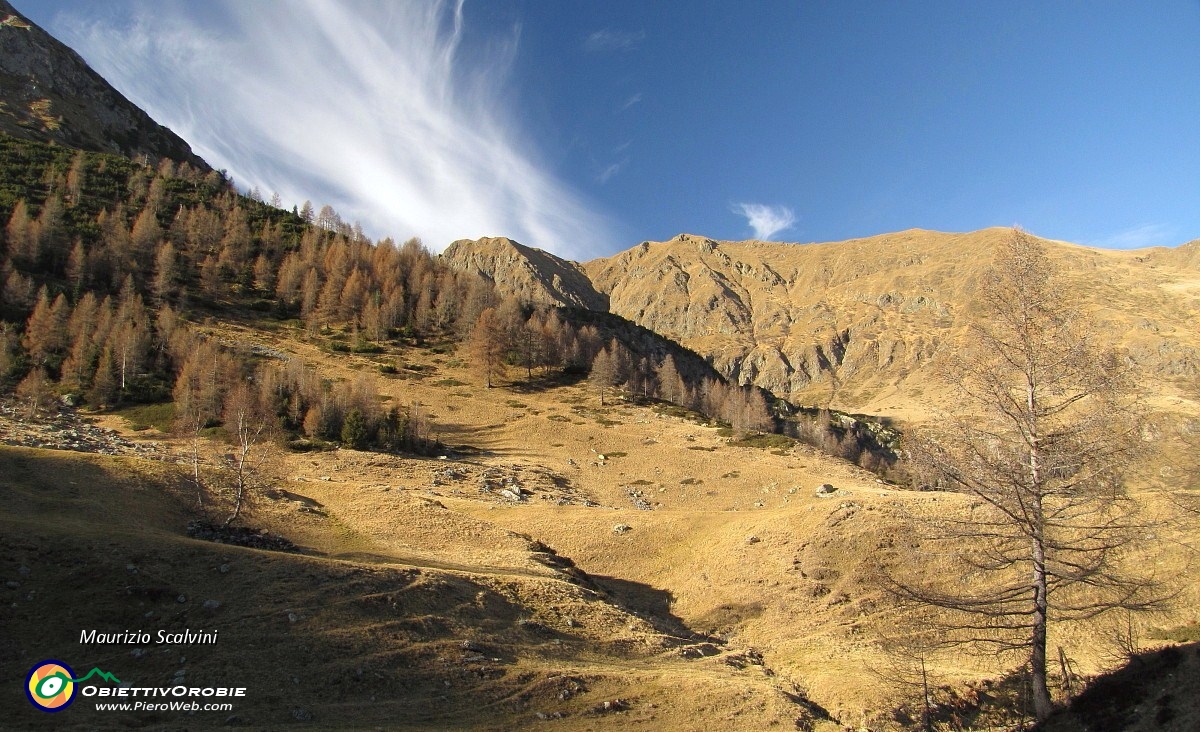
{"points": [[102, 283], [529, 339], [103, 259]]}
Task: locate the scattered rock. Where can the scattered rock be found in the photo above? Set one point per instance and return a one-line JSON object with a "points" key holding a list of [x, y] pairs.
{"points": [[300, 714], [638, 499], [23, 571], [212, 604], [699, 650], [749, 657], [752, 539], [293, 617], [825, 490], [240, 536], [12, 584], [223, 569], [622, 528], [137, 653], [181, 599], [608, 707], [64, 429]]}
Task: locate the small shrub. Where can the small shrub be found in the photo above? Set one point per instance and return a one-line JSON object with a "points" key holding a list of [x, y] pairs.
{"points": [[144, 416], [765, 441], [366, 347], [306, 444], [1189, 633]]}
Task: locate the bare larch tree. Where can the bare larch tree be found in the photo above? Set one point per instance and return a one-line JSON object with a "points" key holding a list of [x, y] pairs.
{"points": [[1047, 426]]}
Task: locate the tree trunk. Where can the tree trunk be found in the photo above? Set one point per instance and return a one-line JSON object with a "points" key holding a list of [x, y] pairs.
{"points": [[1042, 705]]}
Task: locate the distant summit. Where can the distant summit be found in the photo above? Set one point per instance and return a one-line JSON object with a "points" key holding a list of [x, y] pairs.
{"points": [[48, 93], [528, 274], [855, 323]]}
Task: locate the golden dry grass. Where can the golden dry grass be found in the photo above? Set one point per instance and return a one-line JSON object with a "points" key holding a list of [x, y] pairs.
{"points": [[738, 548], [406, 558]]}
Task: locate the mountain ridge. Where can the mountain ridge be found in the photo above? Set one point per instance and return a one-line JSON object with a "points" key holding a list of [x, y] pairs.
{"points": [[51, 95], [853, 324]]}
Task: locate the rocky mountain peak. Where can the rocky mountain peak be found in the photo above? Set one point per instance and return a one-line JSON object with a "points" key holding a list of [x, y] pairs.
{"points": [[50, 94], [529, 274], [850, 323]]}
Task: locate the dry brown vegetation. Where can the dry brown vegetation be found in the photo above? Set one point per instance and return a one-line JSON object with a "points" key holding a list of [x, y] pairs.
{"points": [[557, 549], [742, 599]]}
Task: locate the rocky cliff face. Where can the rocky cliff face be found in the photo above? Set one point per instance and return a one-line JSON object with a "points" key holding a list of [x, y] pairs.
{"points": [[861, 324], [49, 94], [529, 274], [820, 323]]}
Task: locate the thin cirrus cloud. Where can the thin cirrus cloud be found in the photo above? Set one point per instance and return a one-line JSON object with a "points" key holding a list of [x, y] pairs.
{"points": [[607, 39], [611, 170], [1137, 237], [375, 109], [630, 101], [766, 221]]}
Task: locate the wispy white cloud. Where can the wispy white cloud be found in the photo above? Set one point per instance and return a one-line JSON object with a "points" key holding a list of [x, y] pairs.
{"points": [[377, 109], [607, 39], [1146, 235], [610, 170], [766, 221], [635, 99]]}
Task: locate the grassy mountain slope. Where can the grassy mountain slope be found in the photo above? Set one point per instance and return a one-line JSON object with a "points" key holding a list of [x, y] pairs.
{"points": [[862, 325], [321, 643], [549, 560], [736, 553]]}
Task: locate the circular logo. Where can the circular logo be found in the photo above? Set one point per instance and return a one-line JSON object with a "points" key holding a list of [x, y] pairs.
{"points": [[49, 686]]}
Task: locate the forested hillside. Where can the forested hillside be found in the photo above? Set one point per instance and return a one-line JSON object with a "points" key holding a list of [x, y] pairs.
{"points": [[111, 268]]}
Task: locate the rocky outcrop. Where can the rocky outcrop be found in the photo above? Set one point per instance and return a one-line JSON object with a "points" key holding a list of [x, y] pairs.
{"points": [[48, 93], [531, 275], [861, 324]]}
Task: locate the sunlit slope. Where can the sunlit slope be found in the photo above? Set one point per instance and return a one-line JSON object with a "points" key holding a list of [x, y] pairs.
{"points": [[865, 322]]}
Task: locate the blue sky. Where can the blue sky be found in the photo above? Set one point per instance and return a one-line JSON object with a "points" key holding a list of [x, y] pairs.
{"points": [[585, 128]]}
